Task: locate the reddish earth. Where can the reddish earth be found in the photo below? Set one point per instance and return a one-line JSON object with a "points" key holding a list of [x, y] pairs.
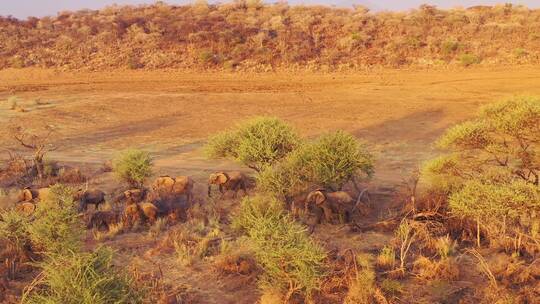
{"points": [[398, 112]]}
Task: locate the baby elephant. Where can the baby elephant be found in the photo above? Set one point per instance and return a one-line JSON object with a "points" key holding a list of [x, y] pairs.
{"points": [[339, 202], [134, 196], [89, 197], [26, 208], [137, 212], [28, 194], [233, 180]]}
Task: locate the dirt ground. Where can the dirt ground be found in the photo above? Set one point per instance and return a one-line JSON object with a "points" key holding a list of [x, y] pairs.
{"points": [[399, 113]]}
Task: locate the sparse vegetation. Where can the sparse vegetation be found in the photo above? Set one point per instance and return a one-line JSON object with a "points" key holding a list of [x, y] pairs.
{"points": [[313, 37], [38, 141], [257, 143], [133, 166], [180, 245]]}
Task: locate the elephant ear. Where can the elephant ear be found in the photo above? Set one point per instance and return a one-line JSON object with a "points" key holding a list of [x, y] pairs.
{"points": [[222, 178], [27, 194], [319, 197]]}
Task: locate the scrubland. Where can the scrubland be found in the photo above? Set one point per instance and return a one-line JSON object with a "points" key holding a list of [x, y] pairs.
{"points": [[277, 154], [248, 35]]}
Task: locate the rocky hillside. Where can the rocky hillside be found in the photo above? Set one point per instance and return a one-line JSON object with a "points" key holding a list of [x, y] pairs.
{"points": [[250, 35]]}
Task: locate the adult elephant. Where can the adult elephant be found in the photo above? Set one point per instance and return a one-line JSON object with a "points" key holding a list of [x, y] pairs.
{"points": [[339, 202], [89, 197], [180, 185], [233, 180], [28, 194]]}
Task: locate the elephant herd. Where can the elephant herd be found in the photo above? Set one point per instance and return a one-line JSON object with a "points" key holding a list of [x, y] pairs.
{"points": [[163, 199]]}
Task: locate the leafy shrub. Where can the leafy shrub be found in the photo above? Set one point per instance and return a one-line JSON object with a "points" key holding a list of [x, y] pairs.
{"points": [[79, 278], [500, 145], [449, 47], [56, 227], [257, 143], [491, 171], [14, 228], [134, 166], [469, 59], [329, 161], [290, 260]]}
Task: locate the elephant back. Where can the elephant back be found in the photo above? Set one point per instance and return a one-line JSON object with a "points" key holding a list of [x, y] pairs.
{"points": [[182, 184], [341, 197]]}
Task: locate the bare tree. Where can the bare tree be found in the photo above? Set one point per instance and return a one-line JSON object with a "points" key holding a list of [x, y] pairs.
{"points": [[39, 143]]}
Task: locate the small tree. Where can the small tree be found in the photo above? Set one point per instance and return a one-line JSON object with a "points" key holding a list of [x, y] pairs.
{"points": [[491, 170], [57, 228], [133, 166], [330, 161], [503, 141], [257, 143], [38, 142]]}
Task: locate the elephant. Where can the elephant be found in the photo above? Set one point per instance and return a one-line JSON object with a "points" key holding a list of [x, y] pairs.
{"points": [[89, 197], [101, 219], [26, 208], [233, 180], [339, 202], [28, 194], [138, 212], [180, 185], [132, 214], [150, 211], [134, 196], [296, 203]]}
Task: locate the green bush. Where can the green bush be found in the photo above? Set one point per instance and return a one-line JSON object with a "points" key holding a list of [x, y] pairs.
{"points": [[517, 202], [81, 278], [330, 161], [14, 228], [133, 166], [491, 171], [291, 261], [56, 227], [257, 143], [449, 47], [469, 59]]}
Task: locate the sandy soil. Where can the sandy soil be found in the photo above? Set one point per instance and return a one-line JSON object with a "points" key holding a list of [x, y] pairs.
{"points": [[171, 113]]}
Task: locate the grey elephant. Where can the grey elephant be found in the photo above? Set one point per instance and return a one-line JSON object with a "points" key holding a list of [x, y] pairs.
{"points": [[232, 180], [89, 197], [330, 203]]}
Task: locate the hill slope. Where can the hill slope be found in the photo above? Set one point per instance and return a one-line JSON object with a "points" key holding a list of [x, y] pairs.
{"points": [[249, 35]]}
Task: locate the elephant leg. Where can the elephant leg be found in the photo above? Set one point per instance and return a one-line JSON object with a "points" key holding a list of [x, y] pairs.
{"points": [[327, 213], [318, 215], [189, 198], [243, 187]]}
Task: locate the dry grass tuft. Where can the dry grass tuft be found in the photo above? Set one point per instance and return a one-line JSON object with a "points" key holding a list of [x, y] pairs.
{"points": [[445, 269]]}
